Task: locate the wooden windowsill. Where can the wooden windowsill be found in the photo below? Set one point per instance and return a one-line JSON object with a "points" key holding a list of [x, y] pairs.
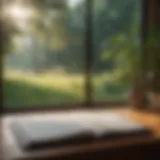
{"points": [[151, 120]]}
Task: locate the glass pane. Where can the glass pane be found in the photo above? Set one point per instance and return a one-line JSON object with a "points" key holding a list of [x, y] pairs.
{"points": [[116, 26], [44, 52]]}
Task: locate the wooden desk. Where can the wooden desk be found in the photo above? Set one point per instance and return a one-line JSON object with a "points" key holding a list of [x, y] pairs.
{"points": [[146, 147]]}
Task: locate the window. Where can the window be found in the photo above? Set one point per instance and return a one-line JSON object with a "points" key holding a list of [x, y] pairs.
{"points": [[44, 61], [116, 43], [46, 65]]}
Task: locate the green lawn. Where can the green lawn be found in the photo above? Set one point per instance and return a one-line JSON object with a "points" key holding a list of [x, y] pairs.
{"points": [[28, 90]]}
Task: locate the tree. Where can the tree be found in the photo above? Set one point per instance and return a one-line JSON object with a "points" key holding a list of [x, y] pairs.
{"points": [[123, 49], [48, 27], [111, 17], [58, 31], [125, 55]]}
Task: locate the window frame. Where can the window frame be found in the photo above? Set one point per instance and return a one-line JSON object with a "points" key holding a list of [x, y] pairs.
{"points": [[88, 102]]}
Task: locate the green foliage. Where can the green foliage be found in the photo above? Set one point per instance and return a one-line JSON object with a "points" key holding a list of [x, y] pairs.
{"points": [[122, 47], [19, 93], [125, 55], [50, 22], [37, 23], [56, 89], [7, 32], [57, 33], [152, 61], [113, 18], [60, 37], [152, 47]]}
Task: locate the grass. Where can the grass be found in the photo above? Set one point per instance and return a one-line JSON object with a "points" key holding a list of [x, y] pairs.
{"points": [[50, 89]]}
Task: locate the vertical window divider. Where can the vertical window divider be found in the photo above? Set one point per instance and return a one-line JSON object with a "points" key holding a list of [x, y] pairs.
{"points": [[144, 34], [1, 80], [88, 53], [1, 64]]}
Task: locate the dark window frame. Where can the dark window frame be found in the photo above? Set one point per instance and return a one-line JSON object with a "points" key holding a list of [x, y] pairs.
{"points": [[88, 103]]}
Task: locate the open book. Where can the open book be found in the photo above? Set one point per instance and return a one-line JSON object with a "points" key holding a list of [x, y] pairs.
{"points": [[73, 129]]}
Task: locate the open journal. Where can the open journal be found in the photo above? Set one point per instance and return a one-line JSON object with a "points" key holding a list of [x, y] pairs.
{"points": [[73, 129]]}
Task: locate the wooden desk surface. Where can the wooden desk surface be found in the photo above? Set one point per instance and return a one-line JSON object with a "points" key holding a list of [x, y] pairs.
{"points": [[12, 152]]}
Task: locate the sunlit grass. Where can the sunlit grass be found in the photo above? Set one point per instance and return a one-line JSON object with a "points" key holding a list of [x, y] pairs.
{"points": [[25, 88], [56, 80]]}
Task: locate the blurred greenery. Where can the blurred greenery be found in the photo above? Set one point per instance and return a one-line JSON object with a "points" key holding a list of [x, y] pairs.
{"points": [[125, 55], [153, 62], [19, 93], [50, 52], [20, 90]]}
